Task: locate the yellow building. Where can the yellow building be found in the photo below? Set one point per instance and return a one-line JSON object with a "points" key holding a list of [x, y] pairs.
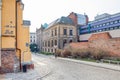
{"points": [[14, 36]]}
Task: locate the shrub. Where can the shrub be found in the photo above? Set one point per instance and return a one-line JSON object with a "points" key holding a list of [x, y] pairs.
{"points": [[84, 53], [66, 53], [81, 53], [58, 52], [99, 54], [74, 53]]}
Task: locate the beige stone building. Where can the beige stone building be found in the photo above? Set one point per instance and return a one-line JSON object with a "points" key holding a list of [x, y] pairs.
{"points": [[58, 34]]}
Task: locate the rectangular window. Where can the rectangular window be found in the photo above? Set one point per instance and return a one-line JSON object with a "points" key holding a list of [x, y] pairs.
{"points": [[101, 25], [48, 43], [116, 22], [111, 22], [107, 23], [55, 42], [65, 31], [119, 21], [52, 43], [104, 24], [55, 32], [52, 33], [71, 32]]}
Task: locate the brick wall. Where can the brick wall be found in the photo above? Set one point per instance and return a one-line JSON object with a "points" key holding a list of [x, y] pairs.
{"points": [[101, 41], [100, 36], [8, 60], [73, 17]]}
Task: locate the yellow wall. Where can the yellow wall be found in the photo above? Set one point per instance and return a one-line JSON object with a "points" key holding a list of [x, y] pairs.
{"points": [[9, 37], [25, 50], [22, 36], [8, 23]]}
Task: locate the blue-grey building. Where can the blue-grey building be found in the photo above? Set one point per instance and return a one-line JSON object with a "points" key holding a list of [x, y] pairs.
{"points": [[102, 23]]}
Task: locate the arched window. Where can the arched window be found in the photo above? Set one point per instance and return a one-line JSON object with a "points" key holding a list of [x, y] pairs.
{"points": [[64, 42], [70, 41]]}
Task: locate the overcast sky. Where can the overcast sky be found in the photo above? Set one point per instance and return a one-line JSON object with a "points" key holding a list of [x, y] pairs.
{"points": [[46, 11]]}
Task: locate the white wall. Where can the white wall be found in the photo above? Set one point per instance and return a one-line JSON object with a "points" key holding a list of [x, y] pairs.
{"points": [[34, 37], [113, 33]]}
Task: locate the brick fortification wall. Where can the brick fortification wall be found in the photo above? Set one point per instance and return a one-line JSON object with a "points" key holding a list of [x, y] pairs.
{"points": [[101, 41], [8, 59], [105, 42]]}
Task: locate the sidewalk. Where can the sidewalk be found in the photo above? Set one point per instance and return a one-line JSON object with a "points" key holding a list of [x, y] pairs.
{"points": [[36, 74], [2, 76], [101, 65]]}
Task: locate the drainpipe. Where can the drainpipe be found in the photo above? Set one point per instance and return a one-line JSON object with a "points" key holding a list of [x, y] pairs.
{"points": [[16, 34], [0, 30]]}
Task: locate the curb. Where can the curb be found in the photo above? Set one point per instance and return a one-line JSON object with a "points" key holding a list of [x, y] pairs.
{"points": [[100, 65]]}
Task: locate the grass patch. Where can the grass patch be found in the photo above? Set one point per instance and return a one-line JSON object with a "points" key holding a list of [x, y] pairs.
{"points": [[85, 59], [46, 53]]}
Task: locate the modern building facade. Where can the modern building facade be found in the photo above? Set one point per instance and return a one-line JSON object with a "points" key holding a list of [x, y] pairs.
{"points": [[33, 38], [14, 36], [58, 34], [102, 23]]}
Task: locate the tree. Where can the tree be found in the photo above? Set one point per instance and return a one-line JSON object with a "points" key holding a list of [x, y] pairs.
{"points": [[34, 47]]}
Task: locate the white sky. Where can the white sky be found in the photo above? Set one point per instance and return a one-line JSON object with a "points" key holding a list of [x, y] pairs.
{"points": [[46, 11]]}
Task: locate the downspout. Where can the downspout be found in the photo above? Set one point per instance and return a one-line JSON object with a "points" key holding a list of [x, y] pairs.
{"points": [[16, 35], [0, 30]]}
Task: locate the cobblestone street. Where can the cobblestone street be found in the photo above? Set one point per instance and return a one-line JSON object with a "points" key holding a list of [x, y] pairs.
{"points": [[68, 70], [49, 68]]}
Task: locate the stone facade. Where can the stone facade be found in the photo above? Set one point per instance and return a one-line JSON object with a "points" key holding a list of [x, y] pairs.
{"points": [[32, 38], [39, 39], [58, 34]]}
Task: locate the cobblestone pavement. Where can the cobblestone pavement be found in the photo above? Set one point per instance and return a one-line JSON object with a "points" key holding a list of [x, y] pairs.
{"points": [[49, 68], [40, 71], [69, 70]]}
